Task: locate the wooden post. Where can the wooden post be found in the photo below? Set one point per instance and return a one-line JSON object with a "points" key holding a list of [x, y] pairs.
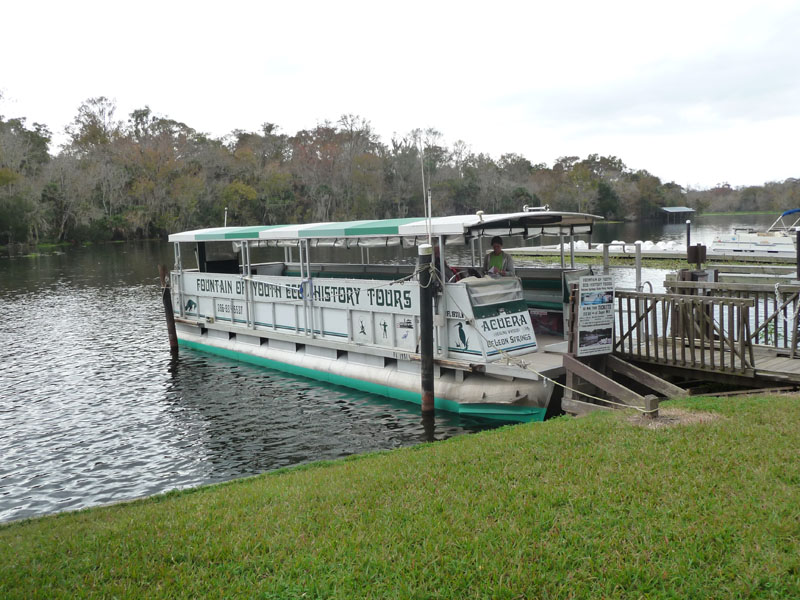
{"points": [[651, 406], [426, 286], [797, 249], [169, 313]]}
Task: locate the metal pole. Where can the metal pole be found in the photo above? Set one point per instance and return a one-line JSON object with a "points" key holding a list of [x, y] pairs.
{"points": [[300, 250], [472, 251], [688, 234], [430, 216], [425, 252], [571, 251], [441, 332], [638, 267], [308, 292]]}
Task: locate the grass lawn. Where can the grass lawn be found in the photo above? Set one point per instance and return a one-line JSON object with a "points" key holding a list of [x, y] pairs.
{"points": [[590, 507]]}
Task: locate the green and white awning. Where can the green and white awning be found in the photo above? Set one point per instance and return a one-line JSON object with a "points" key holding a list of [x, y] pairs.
{"points": [[454, 228]]}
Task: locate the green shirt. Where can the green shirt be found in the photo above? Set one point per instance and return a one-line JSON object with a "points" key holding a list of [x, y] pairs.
{"points": [[496, 261]]}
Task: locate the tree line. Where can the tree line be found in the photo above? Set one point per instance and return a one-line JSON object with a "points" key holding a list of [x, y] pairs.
{"points": [[148, 175]]}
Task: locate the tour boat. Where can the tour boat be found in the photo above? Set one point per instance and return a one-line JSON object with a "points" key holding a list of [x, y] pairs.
{"points": [[778, 239], [498, 343]]}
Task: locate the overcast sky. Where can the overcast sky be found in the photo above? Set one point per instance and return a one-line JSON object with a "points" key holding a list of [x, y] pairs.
{"points": [[696, 92]]}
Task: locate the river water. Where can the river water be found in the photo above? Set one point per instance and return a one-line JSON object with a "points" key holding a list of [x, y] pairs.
{"points": [[93, 408]]}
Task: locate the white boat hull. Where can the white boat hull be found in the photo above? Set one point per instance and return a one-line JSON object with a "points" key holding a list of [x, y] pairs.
{"points": [[477, 394]]}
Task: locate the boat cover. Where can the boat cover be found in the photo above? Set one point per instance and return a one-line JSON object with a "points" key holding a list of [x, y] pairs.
{"points": [[456, 228]]}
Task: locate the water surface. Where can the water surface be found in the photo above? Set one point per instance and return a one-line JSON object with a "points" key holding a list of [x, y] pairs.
{"points": [[93, 408]]}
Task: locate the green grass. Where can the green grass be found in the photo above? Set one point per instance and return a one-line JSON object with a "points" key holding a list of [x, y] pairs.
{"points": [[573, 508], [52, 245]]}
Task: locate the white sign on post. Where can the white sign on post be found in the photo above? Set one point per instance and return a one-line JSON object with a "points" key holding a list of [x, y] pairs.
{"points": [[595, 315]]}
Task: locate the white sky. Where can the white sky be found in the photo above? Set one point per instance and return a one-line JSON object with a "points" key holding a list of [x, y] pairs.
{"points": [[696, 92]]}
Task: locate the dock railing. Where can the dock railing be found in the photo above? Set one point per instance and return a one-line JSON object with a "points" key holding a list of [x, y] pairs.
{"points": [[709, 333], [774, 319]]}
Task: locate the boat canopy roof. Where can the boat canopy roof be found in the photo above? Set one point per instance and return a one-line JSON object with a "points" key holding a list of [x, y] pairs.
{"points": [[782, 226], [456, 229]]}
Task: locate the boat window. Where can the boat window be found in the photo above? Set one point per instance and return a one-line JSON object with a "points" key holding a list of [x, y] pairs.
{"points": [[217, 257], [485, 291]]}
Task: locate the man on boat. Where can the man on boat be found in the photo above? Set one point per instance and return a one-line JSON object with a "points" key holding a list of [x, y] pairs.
{"points": [[497, 263]]}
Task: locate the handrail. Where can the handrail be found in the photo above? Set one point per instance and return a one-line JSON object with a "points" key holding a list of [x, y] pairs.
{"points": [[774, 319], [710, 333]]}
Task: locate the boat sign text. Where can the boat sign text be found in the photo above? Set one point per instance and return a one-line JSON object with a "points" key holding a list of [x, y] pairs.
{"points": [[398, 298]]}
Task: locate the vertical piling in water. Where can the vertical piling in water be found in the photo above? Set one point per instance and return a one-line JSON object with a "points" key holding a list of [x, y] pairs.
{"points": [[688, 234], [169, 313], [426, 286]]}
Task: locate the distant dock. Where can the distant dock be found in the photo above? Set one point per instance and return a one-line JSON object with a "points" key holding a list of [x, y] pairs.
{"points": [[629, 251]]}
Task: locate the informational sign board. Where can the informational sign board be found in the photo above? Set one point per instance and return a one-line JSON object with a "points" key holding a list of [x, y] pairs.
{"points": [[507, 333], [595, 331]]}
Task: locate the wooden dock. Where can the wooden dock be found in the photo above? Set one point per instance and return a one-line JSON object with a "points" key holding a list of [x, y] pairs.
{"points": [[770, 366], [766, 366], [629, 252], [735, 334]]}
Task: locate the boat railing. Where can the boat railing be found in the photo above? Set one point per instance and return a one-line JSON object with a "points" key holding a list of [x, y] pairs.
{"points": [[376, 313], [782, 226], [368, 312]]}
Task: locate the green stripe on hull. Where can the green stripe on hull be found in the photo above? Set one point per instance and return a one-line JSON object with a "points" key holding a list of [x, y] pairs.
{"points": [[498, 412]]}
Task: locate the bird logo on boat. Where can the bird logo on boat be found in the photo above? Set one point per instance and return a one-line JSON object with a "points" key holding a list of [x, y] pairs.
{"points": [[463, 336], [191, 306]]}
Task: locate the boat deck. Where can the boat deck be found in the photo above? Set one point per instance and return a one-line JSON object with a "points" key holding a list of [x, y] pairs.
{"points": [[776, 366], [768, 364], [548, 359]]}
